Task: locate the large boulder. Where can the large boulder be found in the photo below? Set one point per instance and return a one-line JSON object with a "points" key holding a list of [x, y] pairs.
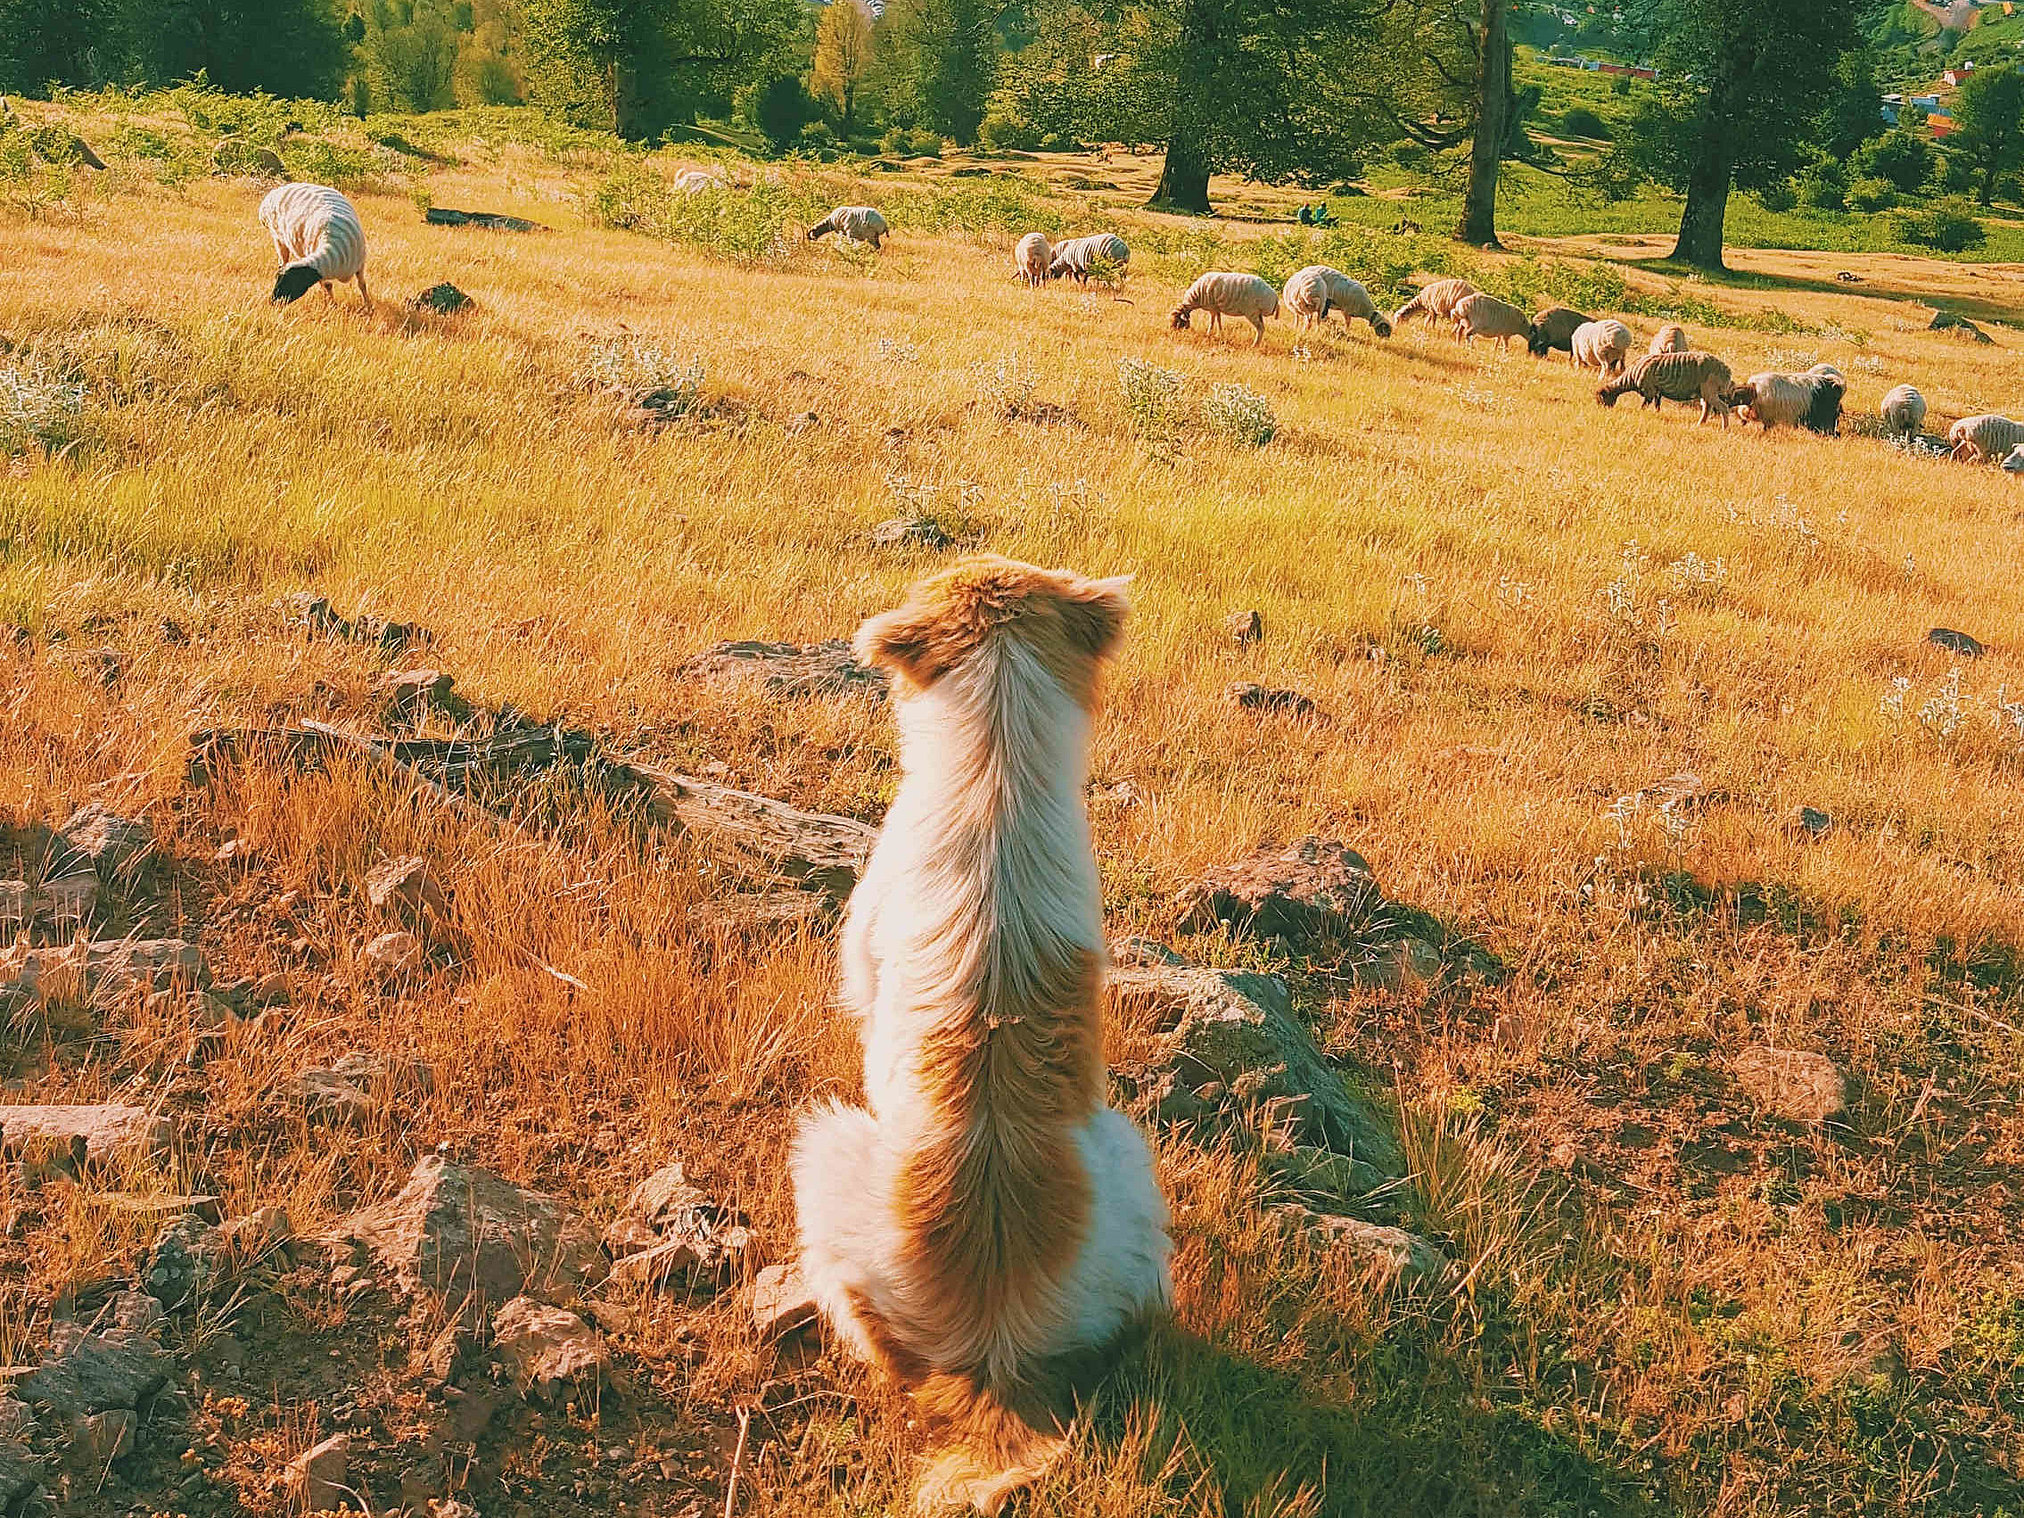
{"points": [[88, 1373], [1232, 1043], [106, 1133], [787, 669], [549, 1351], [459, 1228], [1316, 889]]}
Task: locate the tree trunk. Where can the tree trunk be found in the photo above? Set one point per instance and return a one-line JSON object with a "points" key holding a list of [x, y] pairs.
{"points": [[1493, 120], [1988, 194], [1184, 177], [1707, 209]]}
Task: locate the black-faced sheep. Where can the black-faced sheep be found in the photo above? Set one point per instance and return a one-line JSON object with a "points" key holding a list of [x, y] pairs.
{"points": [[317, 237], [1312, 293], [1554, 328], [1809, 400], [854, 223], [1221, 294]]}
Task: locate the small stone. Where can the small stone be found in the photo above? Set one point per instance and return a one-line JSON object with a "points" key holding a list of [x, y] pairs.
{"points": [[1385, 1252], [628, 1236], [547, 1350], [1955, 642], [105, 1134], [1317, 888], [663, 1196], [17, 906], [328, 1096], [1813, 822], [1396, 965], [1143, 951], [447, 1353], [1792, 1084], [185, 1262], [104, 841], [910, 532], [405, 886], [786, 669], [1245, 627], [415, 691], [67, 901], [395, 951], [97, 1441], [1252, 696], [89, 1373], [317, 1478], [781, 1303], [257, 1234]]}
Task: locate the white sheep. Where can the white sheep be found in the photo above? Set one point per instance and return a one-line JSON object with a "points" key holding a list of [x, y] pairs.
{"points": [[1032, 258], [1079, 256], [1903, 410], [1811, 400], [317, 237], [1222, 293], [1603, 345], [695, 181], [1978, 439], [1436, 301], [854, 223], [1317, 290], [1671, 338], [1481, 315], [1830, 371]]}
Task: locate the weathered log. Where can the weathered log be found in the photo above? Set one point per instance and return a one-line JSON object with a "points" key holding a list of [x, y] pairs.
{"points": [[443, 216], [811, 848]]}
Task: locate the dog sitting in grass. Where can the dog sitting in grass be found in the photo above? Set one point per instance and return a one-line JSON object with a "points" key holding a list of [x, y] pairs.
{"points": [[988, 1226]]}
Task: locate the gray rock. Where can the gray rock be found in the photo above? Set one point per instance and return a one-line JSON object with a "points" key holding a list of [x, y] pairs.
{"points": [[327, 1096], [1392, 1254], [1232, 1040], [97, 1441], [1792, 1084], [414, 692], [446, 299], [110, 844], [20, 1475], [1812, 821], [910, 532], [548, 1351], [186, 1263], [89, 1373], [1960, 326], [672, 1231], [318, 1478], [1967, 646], [257, 1234], [1317, 888], [787, 669], [1401, 963], [67, 901], [457, 1227], [1253, 697], [104, 1134], [394, 952], [406, 887], [781, 1303]]}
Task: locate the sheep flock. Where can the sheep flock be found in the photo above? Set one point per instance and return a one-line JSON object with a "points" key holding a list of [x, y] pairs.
{"points": [[319, 239]]}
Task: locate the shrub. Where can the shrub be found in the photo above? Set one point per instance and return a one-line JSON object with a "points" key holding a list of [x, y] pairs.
{"points": [[39, 410], [1778, 197], [1580, 121], [624, 361], [1152, 403], [1872, 195], [1004, 131], [1946, 228], [817, 137], [1239, 415], [780, 108], [1824, 187], [1902, 159]]}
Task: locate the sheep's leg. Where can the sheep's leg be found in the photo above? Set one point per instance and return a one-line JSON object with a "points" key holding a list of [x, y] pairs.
{"points": [[1215, 324], [364, 296], [1259, 323]]}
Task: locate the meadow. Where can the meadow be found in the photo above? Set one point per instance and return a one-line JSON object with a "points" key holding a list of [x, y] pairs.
{"points": [[1520, 619]]}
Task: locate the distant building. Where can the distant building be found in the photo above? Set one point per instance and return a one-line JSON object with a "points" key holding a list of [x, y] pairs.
{"points": [[1957, 76], [1925, 102]]}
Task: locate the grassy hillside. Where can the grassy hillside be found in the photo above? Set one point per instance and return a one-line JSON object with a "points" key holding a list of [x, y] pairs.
{"points": [[1520, 618]]}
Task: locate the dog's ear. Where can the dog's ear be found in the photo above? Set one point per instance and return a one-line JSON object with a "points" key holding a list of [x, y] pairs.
{"points": [[904, 642], [1094, 614]]}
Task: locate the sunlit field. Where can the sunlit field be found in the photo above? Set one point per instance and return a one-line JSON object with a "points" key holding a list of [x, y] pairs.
{"points": [[1521, 619]]}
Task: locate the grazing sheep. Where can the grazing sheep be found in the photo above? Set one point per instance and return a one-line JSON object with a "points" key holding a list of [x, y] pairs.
{"points": [[1978, 439], [1221, 294], [1671, 338], [1603, 345], [1481, 315], [1685, 377], [1903, 410], [1436, 302], [1317, 290], [1079, 256], [1830, 371], [2014, 462], [856, 223], [695, 181], [318, 239], [1811, 400], [1555, 328], [1031, 258]]}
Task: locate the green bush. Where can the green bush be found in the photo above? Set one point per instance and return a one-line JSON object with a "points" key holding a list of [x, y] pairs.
{"points": [[1003, 131], [1869, 195], [1946, 228], [1824, 187], [818, 137], [1901, 159], [1778, 197], [1580, 121]]}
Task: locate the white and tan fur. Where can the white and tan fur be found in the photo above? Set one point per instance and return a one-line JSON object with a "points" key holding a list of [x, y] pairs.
{"points": [[317, 230], [985, 1226]]}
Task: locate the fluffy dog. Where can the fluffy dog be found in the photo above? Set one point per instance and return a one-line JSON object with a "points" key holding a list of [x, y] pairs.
{"points": [[988, 1226]]}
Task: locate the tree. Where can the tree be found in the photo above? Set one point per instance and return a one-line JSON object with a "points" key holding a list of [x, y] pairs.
{"points": [[843, 56], [409, 55], [940, 59], [1902, 159], [589, 53], [1742, 83], [1989, 125], [1491, 129], [1854, 111]]}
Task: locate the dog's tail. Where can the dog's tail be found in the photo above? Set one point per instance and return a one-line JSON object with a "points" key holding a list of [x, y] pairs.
{"points": [[991, 1441]]}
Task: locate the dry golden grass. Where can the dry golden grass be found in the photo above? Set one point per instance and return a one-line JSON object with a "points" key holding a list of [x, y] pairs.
{"points": [[1487, 584]]}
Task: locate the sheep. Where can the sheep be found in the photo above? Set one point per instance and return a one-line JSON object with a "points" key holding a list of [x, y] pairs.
{"points": [[1555, 328], [1807, 400], [1079, 256], [1830, 371], [2013, 463], [1481, 315], [1671, 338], [857, 223], [318, 239], [695, 181], [1032, 257], [1436, 301], [1683, 377], [1317, 290], [1221, 294], [1603, 345], [1903, 410], [1978, 439]]}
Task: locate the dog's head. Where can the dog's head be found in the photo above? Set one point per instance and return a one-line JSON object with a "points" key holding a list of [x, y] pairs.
{"points": [[1069, 623]]}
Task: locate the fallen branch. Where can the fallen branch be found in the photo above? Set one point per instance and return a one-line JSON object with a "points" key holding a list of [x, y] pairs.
{"points": [[443, 216], [811, 848]]}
